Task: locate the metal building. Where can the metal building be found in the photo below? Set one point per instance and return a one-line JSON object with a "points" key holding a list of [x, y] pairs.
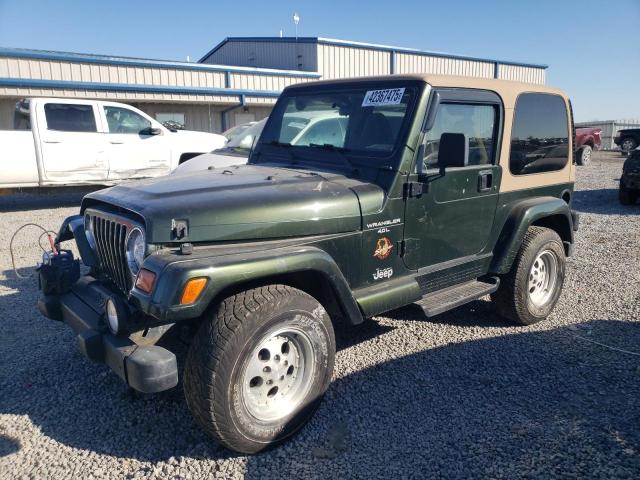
{"points": [[237, 81], [609, 130], [333, 58]]}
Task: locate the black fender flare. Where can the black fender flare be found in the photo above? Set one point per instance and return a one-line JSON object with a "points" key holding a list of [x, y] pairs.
{"points": [[226, 271], [549, 212]]}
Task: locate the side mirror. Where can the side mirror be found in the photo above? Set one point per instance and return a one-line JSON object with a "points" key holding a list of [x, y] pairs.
{"points": [[453, 151], [151, 131]]}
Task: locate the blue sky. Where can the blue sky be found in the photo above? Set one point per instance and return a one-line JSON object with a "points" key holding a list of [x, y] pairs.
{"points": [[592, 47]]}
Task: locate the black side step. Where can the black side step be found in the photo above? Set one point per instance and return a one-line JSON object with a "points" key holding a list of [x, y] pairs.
{"points": [[452, 297]]}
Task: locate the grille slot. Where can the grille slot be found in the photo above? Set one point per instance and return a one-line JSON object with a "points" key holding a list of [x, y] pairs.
{"points": [[110, 238]]}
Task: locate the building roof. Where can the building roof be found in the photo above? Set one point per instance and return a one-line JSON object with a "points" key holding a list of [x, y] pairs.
{"points": [[370, 46], [143, 62]]}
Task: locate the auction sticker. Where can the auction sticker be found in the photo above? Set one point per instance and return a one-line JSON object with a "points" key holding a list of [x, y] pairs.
{"points": [[390, 96]]}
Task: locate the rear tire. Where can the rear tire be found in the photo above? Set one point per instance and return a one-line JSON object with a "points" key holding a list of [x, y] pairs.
{"points": [[528, 293], [258, 368], [628, 144], [584, 155], [627, 196]]}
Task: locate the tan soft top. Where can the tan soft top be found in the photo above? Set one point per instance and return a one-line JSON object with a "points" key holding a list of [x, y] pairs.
{"points": [[507, 89]]}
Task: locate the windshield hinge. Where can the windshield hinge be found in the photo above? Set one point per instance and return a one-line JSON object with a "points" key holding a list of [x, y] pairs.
{"points": [[413, 189]]}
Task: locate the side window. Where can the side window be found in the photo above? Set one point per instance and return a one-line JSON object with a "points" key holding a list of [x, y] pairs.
{"points": [[123, 120], [475, 122], [66, 117], [540, 135]]}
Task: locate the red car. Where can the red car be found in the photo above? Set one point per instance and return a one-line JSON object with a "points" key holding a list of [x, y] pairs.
{"points": [[587, 140]]}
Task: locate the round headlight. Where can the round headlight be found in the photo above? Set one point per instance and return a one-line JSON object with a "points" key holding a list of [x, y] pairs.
{"points": [[88, 231], [136, 248], [112, 316]]}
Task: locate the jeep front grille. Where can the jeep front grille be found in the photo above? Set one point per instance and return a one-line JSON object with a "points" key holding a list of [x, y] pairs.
{"points": [[110, 236]]}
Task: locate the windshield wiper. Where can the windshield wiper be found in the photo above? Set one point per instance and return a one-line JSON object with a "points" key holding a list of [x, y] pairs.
{"points": [[292, 156], [339, 151], [276, 143]]}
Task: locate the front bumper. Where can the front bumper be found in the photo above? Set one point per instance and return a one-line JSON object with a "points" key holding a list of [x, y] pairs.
{"points": [[147, 369]]}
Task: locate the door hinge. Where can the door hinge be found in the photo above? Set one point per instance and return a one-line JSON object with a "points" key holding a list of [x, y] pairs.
{"points": [[413, 189], [406, 245]]}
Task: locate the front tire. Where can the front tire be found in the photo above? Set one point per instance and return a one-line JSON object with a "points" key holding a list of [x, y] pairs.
{"points": [[531, 289], [258, 368], [584, 155]]}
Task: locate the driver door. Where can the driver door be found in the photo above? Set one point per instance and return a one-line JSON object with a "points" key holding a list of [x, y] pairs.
{"points": [[132, 150], [450, 223]]}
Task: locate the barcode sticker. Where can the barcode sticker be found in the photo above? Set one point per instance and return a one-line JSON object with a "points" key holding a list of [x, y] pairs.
{"points": [[391, 96]]}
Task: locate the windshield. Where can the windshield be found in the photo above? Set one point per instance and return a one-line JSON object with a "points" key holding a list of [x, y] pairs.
{"points": [[365, 121], [243, 143], [233, 132]]}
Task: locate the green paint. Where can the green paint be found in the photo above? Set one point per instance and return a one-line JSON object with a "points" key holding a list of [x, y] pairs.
{"points": [[354, 231]]}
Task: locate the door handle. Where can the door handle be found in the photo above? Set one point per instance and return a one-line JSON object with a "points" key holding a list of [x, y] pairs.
{"points": [[51, 141], [485, 181], [115, 142]]}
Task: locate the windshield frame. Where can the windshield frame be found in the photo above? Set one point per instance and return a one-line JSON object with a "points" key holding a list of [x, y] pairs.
{"points": [[374, 159]]}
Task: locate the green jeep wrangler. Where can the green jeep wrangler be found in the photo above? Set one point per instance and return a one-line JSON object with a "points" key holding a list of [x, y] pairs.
{"points": [[630, 180], [407, 189]]}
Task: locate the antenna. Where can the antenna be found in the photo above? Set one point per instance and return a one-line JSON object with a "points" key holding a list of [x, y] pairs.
{"points": [[296, 21]]}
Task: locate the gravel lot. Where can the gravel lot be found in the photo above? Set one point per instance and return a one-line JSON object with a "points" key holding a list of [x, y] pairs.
{"points": [[458, 396]]}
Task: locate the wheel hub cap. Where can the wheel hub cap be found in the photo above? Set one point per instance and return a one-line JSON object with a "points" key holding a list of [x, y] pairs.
{"points": [[277, 374], [542, 278]]}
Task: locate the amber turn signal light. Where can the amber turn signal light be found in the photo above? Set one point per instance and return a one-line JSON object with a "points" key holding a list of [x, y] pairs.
{"points": [[146, 280], [192, 290]]}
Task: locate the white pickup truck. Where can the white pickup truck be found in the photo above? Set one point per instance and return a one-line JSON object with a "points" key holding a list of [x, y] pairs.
{"points": [[74, 142]]}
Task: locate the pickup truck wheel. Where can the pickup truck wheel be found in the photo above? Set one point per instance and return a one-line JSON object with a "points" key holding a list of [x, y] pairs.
{"points": [[584, 155], [626, 196], [258, 369], [528, 293]]}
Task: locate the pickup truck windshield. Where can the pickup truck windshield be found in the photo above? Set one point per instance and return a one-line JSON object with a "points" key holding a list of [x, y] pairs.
{"points": [[365, 121]]}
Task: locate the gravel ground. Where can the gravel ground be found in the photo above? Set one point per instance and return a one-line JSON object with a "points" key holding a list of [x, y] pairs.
{"points": [[458, 396]]}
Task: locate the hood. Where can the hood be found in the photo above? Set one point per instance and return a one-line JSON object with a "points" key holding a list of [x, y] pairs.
{"points": [[242, 203], [216, 159], [198, 141]]}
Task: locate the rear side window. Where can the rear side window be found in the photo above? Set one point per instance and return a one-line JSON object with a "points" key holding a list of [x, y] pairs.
{"points": [[70, 118], [540, 135]]}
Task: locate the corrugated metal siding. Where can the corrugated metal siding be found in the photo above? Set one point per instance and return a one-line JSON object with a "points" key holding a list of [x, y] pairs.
{"points": [[278, 55], [261, 82], [205, 118], [407, 63], [521, 74], [7, 110], [116, 96], [340, 62], [609, 130], [86, 72]]}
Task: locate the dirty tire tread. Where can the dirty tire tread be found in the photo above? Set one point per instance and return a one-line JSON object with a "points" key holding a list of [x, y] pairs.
{"points": [[510, 298], [626, 196], [223, 330]]}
